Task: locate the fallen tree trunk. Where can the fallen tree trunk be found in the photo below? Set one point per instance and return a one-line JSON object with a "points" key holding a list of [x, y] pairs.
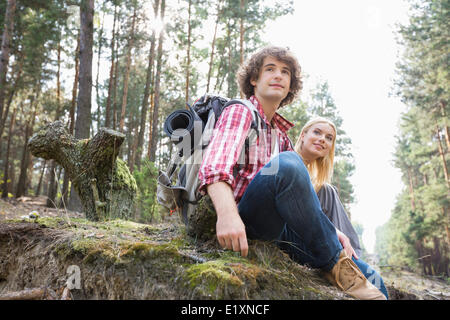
{"points": [[104, 183]]}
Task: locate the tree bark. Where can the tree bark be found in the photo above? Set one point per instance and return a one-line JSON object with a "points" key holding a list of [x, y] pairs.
{"points": [[411, 189], [11, 96], [188, 64], [51, 192], [65, 190], [21, 189], [111, 73], [5, 188], [441, 153], [41, 177], [83, 117], [99, 56], [127, 73], [154, 137], [75, 88], [213, 44], [105, 185], [242, 31], [6, 43], [145, 100]]}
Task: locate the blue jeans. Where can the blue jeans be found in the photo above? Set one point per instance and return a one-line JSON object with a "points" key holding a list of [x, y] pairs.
{"points": [[371, 275], [281, 205]]}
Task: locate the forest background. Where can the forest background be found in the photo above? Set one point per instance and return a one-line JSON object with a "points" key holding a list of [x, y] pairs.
{"points": [[127, 64]]}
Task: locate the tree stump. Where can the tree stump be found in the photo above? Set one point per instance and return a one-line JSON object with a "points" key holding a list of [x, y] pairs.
{"points": [[201, 223], [103, 182]]}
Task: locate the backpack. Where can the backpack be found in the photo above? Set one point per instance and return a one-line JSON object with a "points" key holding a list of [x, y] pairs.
{"points": [[191, 131]]}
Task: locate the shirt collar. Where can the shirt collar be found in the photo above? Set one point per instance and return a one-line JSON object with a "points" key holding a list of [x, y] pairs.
{"points": [[283, 124]]}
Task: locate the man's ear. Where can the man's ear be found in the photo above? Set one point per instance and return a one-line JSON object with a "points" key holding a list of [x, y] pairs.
{"points": [[253, 81]]}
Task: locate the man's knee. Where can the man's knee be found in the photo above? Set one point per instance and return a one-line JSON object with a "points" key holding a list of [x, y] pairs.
{"points": [[292, 166]]}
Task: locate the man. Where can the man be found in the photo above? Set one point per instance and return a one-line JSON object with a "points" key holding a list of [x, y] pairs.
{"points": [[271, 196]]}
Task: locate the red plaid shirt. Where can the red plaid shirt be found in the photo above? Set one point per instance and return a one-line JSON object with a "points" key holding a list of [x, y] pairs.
{"points": [[223, 154]]}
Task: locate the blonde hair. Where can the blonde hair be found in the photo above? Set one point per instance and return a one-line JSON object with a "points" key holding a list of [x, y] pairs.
{"points": [[320, 169]]}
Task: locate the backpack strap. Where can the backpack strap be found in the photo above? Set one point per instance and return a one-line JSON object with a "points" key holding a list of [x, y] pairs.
{"points": [[258, 123], [257, 118]]}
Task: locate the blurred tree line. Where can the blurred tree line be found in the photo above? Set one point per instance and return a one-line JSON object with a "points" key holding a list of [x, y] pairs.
{"points": [[126, 65], [417, 234]]}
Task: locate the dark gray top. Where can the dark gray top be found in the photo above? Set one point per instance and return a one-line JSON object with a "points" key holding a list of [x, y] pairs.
{"points": [[334, 210]]}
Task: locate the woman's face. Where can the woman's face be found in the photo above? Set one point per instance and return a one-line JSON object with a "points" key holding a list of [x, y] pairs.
{"points": [[317, 141]]}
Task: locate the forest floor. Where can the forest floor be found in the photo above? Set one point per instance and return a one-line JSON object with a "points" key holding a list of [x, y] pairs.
{"points": [[401, 284]]}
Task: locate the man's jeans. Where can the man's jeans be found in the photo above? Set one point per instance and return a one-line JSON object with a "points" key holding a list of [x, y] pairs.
{"points": [[280, 205]]}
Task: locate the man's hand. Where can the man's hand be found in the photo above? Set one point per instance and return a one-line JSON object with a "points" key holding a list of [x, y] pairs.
{"points": [[231, 234], [345, 241], [230, 229]]}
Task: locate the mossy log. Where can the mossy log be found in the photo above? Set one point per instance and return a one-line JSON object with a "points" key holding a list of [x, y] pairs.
{"points": [[103, 182]]}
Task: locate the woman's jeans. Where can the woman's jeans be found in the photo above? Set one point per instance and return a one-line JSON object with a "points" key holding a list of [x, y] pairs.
{"points": [[371, 275], [280, 205]]}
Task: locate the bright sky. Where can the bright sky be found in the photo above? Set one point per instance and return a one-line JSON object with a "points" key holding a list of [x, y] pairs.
{"points": [[351, 44]]}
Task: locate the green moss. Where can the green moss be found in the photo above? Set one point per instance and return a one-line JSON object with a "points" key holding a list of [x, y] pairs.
{"points": [[212, 277], [124, 178]]}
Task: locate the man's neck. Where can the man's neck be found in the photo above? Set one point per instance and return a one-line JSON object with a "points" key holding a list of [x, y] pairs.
{"points": [[269, 107]]}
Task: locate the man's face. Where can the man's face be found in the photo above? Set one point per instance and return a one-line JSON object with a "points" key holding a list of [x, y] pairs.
{"points": [[274, 80]]}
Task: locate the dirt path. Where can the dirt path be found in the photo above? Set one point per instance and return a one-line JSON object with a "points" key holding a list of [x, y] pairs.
{"points": [[23, 206]]}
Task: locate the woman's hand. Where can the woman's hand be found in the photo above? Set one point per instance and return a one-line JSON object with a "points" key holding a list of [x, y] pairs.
{"points": [[345, 241]]}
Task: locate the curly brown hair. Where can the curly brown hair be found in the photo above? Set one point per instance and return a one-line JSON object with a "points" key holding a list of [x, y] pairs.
{"points": [[250, 71]]}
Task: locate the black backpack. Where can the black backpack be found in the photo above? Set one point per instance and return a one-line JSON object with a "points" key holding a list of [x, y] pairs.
{"points": [[191, 130]]}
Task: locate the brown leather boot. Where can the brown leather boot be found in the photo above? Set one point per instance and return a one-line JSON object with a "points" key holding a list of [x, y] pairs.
{"points": [[346, 276]]}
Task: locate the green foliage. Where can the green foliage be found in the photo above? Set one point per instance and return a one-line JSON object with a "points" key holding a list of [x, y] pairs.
{"points": [[146, 183], [417, 232]]}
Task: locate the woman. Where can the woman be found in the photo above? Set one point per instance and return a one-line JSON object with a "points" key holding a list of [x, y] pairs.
{"points": [[316, 145]]}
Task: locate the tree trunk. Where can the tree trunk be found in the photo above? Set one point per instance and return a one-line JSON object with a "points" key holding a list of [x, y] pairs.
{"points": [[154, 138], [75, 88], [242, 31], [127, 73], [230, 77], [441, 153], [114, 100], [99, 56], [83, 117], [21, 189], [66, 191], [442, 105], [145, 100], [51, 195], [105, 185], [411, 190], [188, 64], [111, 72], [6, 43], [51, 190], [213, 44], [5, 188], [39, 186], [10, 98]]}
